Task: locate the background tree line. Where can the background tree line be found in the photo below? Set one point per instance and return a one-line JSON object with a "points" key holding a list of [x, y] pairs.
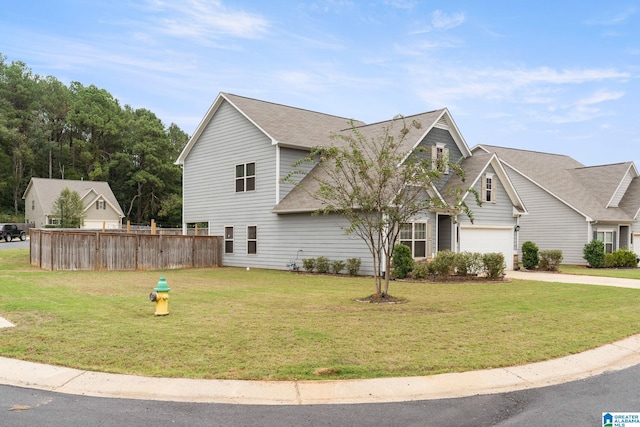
{"points": [[50, 130]]}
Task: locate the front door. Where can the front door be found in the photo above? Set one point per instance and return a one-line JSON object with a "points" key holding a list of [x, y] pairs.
{"points": [[444, 233]]}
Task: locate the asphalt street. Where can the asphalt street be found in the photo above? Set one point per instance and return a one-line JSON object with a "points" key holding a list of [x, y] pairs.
{"points": [[578, 403], [14, 244]]}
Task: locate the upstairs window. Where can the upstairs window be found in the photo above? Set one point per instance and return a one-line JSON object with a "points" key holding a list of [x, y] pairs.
{"points": [[33, 205], [245, 177], [100, 204], [440, 158], [488, 188]]}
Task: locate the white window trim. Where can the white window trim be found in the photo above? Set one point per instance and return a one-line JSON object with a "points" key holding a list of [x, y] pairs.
{"points": [[435, 159], [252, 240], [490, 176], [232, 239], [245, 176], [413, 238], [605, 231]]}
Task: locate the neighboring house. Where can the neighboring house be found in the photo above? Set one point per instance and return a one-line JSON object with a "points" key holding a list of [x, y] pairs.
{"points": [[100, 205], [570, 204], [233, 170]]}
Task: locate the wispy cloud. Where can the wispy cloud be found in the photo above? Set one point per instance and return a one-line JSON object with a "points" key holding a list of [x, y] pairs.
{"points": [[582, 109], [203, 20], [441, 21], [401, 4], [449, 83], [613, 19]]}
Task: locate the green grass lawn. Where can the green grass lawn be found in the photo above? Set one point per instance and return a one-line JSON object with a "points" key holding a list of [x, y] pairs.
{"points": [[625, 273], [263, 324]]}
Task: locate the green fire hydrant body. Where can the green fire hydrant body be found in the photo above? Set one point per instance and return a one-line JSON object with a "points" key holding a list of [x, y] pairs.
{"points": [[161, 297]]}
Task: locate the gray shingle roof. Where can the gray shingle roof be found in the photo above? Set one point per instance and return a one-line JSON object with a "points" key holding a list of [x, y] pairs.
{"points": [[586, 189], [290, 126], [299, 198], [630, 203], [48, 191]]}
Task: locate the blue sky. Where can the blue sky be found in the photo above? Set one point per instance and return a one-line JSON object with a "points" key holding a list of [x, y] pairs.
{"points": [[554, 76]]}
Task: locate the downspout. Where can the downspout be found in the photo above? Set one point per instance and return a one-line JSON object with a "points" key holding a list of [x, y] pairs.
{"points": [[184, 224], [277, 172]]}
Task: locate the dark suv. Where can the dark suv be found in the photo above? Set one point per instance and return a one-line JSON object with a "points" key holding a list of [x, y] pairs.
{"points": [[9, 231]]}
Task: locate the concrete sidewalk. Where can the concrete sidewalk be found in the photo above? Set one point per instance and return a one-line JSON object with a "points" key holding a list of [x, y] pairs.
{"points": [[573, 278], [611, 357]]}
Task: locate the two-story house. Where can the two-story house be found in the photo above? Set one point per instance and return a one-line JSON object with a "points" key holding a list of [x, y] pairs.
{"points": [[235, 162], [101, 208]]}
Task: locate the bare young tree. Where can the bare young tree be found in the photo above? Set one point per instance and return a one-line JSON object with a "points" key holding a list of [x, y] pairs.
{"points": [[377, 183]]}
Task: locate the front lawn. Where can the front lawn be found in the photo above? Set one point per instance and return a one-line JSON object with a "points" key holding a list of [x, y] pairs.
{"points": [[261, 324], [624, 273]]}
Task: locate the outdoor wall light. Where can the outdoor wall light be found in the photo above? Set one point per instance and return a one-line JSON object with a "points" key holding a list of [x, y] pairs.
{"points": [[517, 228]]}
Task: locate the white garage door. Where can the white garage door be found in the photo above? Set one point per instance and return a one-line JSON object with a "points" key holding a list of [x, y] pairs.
{"points": [[488, 239], [97, 225]]}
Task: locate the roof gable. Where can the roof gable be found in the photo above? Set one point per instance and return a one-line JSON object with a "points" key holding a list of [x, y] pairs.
{"points": [[474, 168], [587, 190], [284, 125], [48, 190]]}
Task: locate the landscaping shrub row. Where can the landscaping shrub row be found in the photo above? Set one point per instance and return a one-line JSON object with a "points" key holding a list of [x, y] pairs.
{"points": [[446, 264], [532, 258], [324, 265], [594, 253]]}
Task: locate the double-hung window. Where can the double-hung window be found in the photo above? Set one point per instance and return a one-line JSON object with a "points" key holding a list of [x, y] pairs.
{"points": [[606, 237], [414, 235], [440, 158], [252, 239], [489, 188], [228, 240], [245, 177]]}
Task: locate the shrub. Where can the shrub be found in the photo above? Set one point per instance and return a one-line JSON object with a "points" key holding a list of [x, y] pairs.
{"points": [[353, 265], [468, 263], [550, 260], [309, 264], [323, 264], [593, 252], [443, 264], [337, 266], [530, 258], [621, 258], [402, 261], [420, 270], [493, 264]]}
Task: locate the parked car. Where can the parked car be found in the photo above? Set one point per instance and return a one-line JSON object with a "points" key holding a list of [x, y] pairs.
{"points": [[9, 231]]}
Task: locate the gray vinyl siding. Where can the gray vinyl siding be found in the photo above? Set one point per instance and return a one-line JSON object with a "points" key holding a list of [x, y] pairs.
{"points": [[280, 237], [498, 213], [209, 169], [288, 158], [209, 196], [626, 181], [550, 224], [435, 136]]}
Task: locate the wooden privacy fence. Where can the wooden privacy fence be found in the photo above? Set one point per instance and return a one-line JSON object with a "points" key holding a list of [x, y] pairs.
{"points": [[97, 250]]}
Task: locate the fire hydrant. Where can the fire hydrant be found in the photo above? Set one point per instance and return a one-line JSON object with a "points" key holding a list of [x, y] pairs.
{"points": [[160, 296]]}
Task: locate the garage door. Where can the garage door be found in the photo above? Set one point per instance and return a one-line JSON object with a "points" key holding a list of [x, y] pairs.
{"points": [[97, 225], [488, 239]]}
